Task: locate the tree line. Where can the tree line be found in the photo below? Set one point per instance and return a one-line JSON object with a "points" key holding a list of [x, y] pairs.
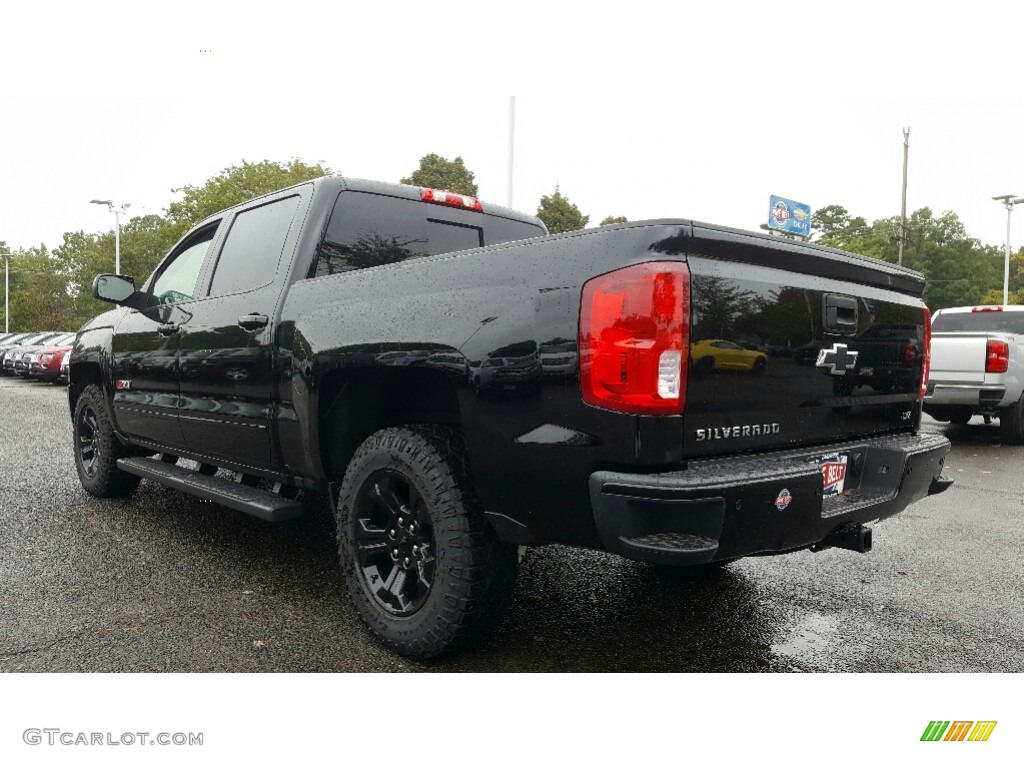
{"points": [[50, 287]]}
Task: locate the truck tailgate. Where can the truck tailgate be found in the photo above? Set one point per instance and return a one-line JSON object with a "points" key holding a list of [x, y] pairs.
{"points": [[959, 358], [793, 347]]}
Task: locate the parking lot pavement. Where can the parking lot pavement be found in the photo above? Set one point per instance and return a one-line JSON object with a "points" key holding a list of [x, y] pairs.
{"points": [[165, 582]]}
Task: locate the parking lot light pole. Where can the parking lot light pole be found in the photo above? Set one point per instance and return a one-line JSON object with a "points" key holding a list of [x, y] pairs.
{"points": [[117, 230], [1009, 201]]}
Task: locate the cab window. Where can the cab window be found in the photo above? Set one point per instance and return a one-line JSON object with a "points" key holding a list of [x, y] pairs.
{"points": [[178, 278], [253, 246]]}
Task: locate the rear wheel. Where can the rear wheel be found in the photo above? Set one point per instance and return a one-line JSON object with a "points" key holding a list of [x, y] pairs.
{"points": [[425, 571], [1011, 422], [97, 448]]}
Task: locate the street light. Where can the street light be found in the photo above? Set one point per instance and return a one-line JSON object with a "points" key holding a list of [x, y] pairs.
{"points": [[117, 230], [1009, 201]]}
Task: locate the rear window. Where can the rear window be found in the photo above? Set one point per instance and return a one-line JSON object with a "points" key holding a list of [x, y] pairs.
{"points": [[995, 322], [369, 230]]}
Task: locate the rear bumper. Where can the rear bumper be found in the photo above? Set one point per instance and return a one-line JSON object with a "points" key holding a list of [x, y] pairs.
{"points": [[974, 395], [725, 508]]}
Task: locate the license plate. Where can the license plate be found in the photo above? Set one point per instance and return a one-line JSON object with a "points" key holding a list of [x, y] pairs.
{"points": [[833, 474]]}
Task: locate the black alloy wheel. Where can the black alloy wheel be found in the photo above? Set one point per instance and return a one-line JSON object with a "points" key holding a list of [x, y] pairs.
{"points": [[394, 542], [425, 570], [87, 440]]}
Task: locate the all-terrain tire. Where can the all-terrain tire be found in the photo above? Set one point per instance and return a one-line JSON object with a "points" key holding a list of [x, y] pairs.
{"points": [[418, 475], [97, 448]]}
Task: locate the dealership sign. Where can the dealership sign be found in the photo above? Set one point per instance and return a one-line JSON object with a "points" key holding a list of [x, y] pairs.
{"points": [[789, 216]]}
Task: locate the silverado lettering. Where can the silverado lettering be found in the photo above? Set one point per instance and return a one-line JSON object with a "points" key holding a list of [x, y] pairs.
{"points": [[456, 384], [746, 430]]}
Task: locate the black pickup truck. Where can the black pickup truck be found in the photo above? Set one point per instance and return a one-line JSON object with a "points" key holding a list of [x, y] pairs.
{"points": [[459, 383]]}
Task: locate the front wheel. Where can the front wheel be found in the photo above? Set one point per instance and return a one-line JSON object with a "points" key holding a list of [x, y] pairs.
{"points": [[425, 571], [97, 448]]}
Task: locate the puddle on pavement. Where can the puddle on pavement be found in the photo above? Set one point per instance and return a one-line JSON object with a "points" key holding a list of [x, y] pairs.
{"points": [[811, 634]]}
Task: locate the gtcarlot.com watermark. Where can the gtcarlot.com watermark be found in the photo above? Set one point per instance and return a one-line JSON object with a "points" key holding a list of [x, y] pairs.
{"points": [[56, 737]]}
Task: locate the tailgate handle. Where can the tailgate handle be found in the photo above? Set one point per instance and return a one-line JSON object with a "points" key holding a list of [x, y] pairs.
{"points": [[839, 313]]}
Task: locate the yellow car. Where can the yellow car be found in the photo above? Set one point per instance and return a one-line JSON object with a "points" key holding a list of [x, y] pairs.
{"points": [[721, 355]]}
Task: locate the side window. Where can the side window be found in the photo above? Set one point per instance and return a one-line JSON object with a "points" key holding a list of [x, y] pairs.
{"points": [[253, 247], [368, 230], [177, 281]]}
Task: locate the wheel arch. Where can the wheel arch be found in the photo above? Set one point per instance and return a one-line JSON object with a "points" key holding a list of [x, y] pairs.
{"points": [[353, 404], [80, 376]]}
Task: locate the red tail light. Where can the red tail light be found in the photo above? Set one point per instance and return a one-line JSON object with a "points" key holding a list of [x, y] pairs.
{"points": [[926, 353], [997, 356], [635, 338]]}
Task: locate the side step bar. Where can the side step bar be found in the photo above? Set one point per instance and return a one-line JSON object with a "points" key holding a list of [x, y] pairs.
{"points": [[670, 548], [253, 501]]}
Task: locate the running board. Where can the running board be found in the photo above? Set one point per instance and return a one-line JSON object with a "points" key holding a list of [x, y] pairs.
{"points": [[253, 501]]}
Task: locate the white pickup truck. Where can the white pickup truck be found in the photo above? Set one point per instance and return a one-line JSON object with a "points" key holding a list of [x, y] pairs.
{"points": [[977, 367]]}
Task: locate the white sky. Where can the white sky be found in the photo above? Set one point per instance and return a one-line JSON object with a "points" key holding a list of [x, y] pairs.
{"points": [[634, 110]]}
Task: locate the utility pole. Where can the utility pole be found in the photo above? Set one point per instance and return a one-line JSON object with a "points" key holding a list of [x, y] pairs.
{"points": [[511, 143], [1009, 201], [903, 206]]}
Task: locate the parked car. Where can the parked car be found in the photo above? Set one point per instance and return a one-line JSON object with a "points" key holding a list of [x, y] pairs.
{"points": [[977, 367], [65, 367], [16, 346], [559, 358], [722, 355], [45, 363], [23, 356]]}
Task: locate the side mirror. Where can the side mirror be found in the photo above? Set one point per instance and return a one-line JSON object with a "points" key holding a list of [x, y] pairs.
{"points": [[116, 289]]}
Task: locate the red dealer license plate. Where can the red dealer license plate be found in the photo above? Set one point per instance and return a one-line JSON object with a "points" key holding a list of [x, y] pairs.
{"points": [[833, 474]]}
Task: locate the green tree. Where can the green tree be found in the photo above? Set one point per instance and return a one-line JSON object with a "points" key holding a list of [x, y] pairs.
{"points": [[560, 215], [959, 269], [236, 184], [441, 173], [614, 220], [1016, 285], [39, 296], [145, 240], [828, 221]]}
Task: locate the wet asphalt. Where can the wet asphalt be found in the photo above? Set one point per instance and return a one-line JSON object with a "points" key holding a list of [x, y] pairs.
{"points": [[164, 582]]}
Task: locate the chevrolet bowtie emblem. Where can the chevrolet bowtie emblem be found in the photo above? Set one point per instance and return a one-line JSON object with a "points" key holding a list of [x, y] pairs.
{"points": [[838, 360]]}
